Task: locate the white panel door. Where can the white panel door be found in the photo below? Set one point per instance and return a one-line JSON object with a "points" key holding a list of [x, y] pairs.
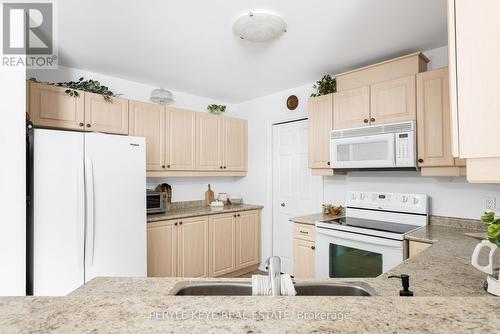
{"points": [[295, 191], [115, 181], [58, 212]]}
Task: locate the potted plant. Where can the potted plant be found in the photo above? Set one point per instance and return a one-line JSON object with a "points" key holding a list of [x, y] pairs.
{"points": [[493, 227], [216, 108], [326, 85]]}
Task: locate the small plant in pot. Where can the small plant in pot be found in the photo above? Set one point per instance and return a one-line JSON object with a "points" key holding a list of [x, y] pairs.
{"points": [[216, 108], [326, 85]]}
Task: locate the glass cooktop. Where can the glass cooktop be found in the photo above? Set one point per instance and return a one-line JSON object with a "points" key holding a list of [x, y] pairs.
{"points": [[370, 224]]}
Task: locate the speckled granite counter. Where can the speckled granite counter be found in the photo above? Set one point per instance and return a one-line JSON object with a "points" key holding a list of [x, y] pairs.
{"points": [[200, 211], [312, 219]]}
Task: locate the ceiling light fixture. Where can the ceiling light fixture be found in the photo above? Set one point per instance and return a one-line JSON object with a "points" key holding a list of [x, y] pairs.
{"points": [[161, 96], [259, 27]]}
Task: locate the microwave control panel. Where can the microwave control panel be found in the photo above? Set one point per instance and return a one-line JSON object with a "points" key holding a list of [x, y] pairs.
{"points": [[405, 149]]}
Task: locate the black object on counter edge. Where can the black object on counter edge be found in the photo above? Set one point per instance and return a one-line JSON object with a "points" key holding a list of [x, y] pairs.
{"points": [[405, 281]]}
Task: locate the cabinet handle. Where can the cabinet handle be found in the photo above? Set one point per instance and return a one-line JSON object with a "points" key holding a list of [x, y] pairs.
{"points": [[328, 163], [239, 215], [303, 232], [220, 167], [372, 119], [365, 120], [81, 124], [88, 125], [180, 223], [168, 166], [163, 166], [234, 216], [225, 167], [175, 224], [420, 160], [313, 247]]}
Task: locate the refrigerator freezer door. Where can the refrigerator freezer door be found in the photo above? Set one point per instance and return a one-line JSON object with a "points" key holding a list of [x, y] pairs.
{"points": [[115, 183], [58, 212]]}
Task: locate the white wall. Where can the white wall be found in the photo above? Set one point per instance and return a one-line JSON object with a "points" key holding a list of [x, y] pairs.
{"points": [[449, 196], [184, 189], [12, 183]]}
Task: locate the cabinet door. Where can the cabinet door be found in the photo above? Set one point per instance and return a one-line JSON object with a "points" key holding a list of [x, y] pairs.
{"points": [[208, 142], [320, 125], [303, 259], [148, 120], [351, 108], [51, 107], [477, 54], [102, 116], [193, 247], [222, 254], [393, 101], [162, 249], [433, 117], [247, 238], [181, 127], [235, 143]]}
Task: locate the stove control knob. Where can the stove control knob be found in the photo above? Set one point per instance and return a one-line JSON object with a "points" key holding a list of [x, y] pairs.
{"points": [[361, 196], [353, 196]]}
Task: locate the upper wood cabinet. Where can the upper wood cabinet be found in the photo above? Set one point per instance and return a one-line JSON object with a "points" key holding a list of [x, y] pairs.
{"points": [[49, 106], [162, 249], [148, 120], [235, 141], [222, 252], [393, 101], [351, 108], [108, 117], [320, 124], [433, 117], [181, 129], [247, 238], [474, 51], [209, 148], [193, 247]]}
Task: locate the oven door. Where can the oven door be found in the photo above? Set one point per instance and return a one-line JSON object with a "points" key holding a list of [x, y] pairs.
{"points": [[377, 151], [349, 255]]}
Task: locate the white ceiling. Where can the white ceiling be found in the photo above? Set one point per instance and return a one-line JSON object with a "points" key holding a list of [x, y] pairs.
{"points": [[189, 45]]}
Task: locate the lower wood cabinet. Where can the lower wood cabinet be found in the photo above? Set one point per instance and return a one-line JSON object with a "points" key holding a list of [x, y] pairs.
{"points": [[205, 246], [304, 251]]}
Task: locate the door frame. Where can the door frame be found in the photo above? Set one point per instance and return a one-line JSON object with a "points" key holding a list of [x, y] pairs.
{"points": [[273, 211]]}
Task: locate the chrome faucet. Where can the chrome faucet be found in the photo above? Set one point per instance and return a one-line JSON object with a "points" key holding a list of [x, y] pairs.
{"points": [[274, 269]]}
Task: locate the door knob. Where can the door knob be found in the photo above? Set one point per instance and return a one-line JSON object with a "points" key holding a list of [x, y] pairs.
{"points": [[365, 120], [283, 204]]}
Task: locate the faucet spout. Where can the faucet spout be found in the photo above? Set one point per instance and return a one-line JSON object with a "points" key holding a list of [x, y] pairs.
{"points": [[274, 269]]}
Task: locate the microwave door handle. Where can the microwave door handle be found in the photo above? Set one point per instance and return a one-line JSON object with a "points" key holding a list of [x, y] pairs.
{"points": [[392, 153]]}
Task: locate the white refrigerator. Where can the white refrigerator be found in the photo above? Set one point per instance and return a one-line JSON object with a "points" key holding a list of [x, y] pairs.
{"points": [[88, 215]]}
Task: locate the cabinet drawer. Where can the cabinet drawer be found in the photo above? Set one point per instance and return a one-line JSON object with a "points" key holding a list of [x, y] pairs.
{"points": [[303, 231]]}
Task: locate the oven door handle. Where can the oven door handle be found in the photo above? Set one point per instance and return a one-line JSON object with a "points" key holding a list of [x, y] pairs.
{"points": [[328, 233]]}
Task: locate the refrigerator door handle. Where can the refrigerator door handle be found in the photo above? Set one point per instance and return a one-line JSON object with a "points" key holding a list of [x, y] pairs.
{"points": [[90, 221], [80, 213]]}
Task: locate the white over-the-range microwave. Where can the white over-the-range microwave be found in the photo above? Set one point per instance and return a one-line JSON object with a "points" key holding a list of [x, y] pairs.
{"points": [[377, 146]]}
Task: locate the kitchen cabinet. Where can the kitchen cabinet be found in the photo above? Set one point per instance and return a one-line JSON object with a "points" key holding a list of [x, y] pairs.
{"points": [[222, 253], [303, 259], [148, 120], [225, 244], [247, 238], [209, 150], [416, 247], [351, 108], [473, 32], [303, 251], [434, 128], [180, 138], [393, 101], [235, 144], [108, 117], [320, 111], [162, 249], [50, 107], [193, 247]]}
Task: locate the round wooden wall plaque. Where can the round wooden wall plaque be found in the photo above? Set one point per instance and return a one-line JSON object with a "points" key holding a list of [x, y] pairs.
{"points": [[292, 102]]}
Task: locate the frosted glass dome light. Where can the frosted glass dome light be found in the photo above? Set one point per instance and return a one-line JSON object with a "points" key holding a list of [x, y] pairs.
{"points": [[259, 27]]}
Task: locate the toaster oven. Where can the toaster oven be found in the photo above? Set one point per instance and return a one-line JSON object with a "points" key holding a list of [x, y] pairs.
{"points": [[156, 201]]}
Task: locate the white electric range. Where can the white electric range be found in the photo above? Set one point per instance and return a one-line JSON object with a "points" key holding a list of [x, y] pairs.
{"points": [[369, 240]]}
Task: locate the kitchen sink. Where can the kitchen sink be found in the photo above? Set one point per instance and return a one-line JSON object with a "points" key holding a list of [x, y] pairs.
{"points": [[234, 288]]}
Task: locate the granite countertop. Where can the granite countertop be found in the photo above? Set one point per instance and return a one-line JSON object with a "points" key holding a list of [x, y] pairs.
{"points": [[178, 213], [448, 298], [312, 219]]}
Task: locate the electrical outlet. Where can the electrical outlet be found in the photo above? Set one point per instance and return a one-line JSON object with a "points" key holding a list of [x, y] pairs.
{"points": [[490, 203]]}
